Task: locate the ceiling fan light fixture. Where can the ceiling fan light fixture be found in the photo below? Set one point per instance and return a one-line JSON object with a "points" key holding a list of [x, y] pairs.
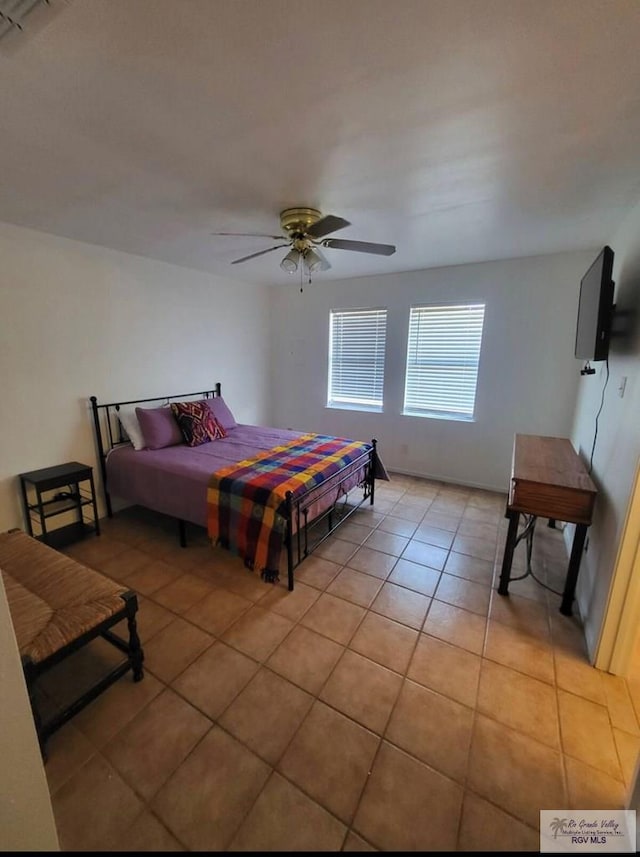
{"points": [[313, 261], [291, 261]]}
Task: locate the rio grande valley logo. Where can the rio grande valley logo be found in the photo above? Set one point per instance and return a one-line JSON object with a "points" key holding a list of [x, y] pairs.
{"points": [[588, 830]]}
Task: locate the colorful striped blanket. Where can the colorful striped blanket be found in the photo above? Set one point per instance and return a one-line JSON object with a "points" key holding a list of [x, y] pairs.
{"points": [[246, 502]]}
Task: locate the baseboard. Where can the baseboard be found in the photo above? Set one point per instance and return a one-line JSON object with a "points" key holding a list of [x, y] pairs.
{"points": [[447, 480]]}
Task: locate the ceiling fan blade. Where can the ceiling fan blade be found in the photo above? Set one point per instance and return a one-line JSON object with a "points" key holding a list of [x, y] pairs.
{"points": [[248, 235], [360, 246], [325, 225], [261, 253]]}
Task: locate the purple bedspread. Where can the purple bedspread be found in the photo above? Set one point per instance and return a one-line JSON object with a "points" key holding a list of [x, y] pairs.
{"points": [[174, 480]]}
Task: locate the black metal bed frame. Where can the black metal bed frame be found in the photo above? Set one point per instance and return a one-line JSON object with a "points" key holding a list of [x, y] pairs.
{"points": [[298, 524]]}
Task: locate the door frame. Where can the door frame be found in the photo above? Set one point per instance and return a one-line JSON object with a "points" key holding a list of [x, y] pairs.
{"points": [[621, 624]]}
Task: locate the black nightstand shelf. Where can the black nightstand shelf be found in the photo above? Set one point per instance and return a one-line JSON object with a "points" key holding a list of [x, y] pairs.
{"points": [[54, 491]]}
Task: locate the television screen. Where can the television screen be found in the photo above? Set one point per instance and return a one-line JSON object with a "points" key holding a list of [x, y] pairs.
{"points": [[595, 309]]}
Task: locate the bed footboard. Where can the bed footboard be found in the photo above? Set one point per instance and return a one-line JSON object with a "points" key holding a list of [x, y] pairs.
{"points": [[299, 516]]}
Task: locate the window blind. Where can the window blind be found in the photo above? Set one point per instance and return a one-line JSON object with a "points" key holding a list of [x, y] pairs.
{"points": [[357, 341], [443, 353]]}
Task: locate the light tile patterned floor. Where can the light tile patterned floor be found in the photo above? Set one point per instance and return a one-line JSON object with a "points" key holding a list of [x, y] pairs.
{"points": [[392, 701]]}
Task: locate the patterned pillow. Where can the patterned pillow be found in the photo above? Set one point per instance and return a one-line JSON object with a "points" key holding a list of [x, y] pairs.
{"points": [[197, 423]]}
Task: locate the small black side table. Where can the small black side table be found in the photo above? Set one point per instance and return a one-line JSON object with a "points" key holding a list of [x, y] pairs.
{"points": [[71, 494]]}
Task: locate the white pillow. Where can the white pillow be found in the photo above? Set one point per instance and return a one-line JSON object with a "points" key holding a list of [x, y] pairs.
{"points": [[131, 425]]}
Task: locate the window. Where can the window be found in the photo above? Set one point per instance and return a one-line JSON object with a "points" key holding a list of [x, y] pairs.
{"points": [[443, 353], [357, 339]]}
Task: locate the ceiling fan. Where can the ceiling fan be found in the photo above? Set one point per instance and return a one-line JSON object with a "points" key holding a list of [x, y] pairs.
{"points": [[304, 232]]}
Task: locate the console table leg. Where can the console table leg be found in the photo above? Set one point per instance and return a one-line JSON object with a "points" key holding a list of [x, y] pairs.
{"points": [[512, 532], [574, 566]]}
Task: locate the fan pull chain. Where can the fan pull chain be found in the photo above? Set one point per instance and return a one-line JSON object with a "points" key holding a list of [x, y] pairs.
{"points": [[302, 278]]}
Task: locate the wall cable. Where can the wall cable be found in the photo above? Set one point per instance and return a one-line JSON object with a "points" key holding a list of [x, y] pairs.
{"points": [[527, 534], [595, 434]]}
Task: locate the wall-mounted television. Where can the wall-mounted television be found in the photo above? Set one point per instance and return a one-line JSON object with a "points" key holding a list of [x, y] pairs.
{"points": [[595, 309]]}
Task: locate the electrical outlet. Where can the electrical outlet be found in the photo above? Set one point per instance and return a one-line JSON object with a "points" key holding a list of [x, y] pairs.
{"points": [[622, 385], [404, 448]]}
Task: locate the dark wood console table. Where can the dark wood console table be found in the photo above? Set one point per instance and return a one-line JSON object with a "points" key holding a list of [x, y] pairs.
{"points": [[548, 480]]}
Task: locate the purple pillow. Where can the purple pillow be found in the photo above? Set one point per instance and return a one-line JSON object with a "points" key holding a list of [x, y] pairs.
{"points": [[159, 427], [221, 412]]}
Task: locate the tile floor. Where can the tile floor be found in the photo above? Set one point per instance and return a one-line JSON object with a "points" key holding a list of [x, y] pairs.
{"points": [[393, 701]]}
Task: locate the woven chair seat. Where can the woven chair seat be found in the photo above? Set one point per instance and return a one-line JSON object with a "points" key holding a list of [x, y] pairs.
{"points": [[58, 606], [52, 598]]}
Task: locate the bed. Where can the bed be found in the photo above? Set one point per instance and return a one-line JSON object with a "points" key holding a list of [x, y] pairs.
{"points": [[269, 495]]}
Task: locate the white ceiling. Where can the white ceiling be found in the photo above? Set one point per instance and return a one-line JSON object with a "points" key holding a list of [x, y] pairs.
{"points": [[459, 130]]}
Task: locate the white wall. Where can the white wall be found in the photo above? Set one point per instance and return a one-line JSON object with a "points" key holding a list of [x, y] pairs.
{"points": [[618, 441], [527, 380], [26, 816], [78, 320]]}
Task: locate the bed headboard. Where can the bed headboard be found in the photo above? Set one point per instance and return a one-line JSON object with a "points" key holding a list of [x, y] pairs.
{"points": [[109, 431]]}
